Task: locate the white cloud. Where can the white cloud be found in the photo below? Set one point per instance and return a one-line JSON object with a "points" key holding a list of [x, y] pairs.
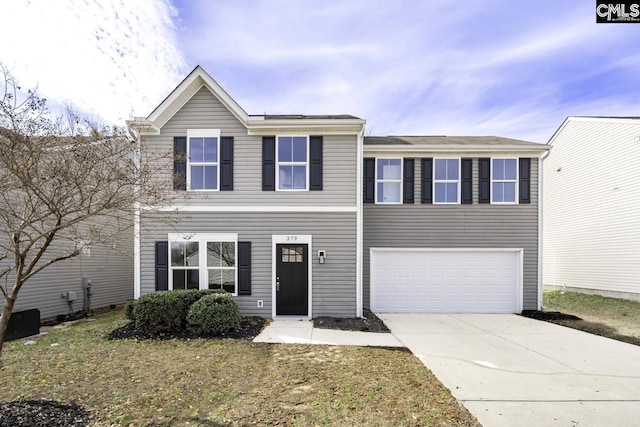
{"points": [[419, 67], [406, 66], [108, 58]]}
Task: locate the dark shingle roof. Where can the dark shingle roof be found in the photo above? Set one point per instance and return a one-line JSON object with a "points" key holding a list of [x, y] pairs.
{"points": [[428, 140]]}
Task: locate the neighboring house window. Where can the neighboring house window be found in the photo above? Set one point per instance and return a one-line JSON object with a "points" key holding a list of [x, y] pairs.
{"points": [[446, 181], [205, 261], [203, 151], [83, 247], [504, 180], [292, 162], [388, 180]]}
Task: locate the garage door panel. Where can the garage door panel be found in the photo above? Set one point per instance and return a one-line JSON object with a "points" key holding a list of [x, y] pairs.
{"points": [[483, 281]]}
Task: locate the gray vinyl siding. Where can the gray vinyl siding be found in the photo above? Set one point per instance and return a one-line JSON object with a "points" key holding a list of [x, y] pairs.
{"points": [[457, 226], [334, 283], [110, 270], [204, 111]]}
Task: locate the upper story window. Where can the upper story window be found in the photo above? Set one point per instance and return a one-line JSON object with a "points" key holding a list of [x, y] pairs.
{"points": [[203, 159], [203, 262], [446, 181], [504, 180], [388, 180], [292, 163]]}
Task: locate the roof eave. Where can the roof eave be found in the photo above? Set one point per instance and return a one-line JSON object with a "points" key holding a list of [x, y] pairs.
{"points": [[257, 126], [140, 125], [439, 148]]}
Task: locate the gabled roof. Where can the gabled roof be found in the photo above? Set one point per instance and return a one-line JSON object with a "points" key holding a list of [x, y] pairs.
{"points": [[186, 90], [449, 143], [256, 124]]}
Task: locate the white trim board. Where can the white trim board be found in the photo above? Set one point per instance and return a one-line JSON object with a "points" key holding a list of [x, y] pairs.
{"points": [[251, 208]]}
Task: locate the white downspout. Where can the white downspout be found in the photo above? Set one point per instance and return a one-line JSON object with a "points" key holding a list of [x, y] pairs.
{"points": [[359, 241], [540, 230], [136, 223]]}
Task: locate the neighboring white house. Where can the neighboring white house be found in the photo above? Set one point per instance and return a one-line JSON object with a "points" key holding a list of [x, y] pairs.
{"points": [[591, 205]]}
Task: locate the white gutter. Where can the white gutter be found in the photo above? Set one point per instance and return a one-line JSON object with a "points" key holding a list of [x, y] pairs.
{"points": [[452, 148]]}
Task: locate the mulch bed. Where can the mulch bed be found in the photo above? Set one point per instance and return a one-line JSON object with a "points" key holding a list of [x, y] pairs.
{"points": [[369, 323], [42, 413], [548, 316], [250, 327]]}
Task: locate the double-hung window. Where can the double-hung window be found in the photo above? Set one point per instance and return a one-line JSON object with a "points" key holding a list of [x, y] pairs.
{"points": [[203, 155], [504, 181], [446, 181], [292, 163], [388, 180], [206, 261]]}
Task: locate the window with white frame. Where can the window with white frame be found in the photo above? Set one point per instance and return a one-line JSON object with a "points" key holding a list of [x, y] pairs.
{"points": [[388, 180], [504, 180], [185, 265], [292, 163], [203, 156], [446, 181], [206, 261]]}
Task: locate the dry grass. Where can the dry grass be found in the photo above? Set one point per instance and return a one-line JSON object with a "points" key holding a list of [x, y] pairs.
{"points": [[225, 382], [611, 317]]}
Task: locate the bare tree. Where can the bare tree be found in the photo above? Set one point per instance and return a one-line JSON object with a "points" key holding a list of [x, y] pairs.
{"points": [[64, 185]]}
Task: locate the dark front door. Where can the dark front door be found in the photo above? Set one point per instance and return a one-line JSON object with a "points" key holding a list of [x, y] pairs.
{"points": [[292, 280]]}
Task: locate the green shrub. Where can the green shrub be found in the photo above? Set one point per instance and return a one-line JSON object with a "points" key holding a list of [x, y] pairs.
{"points": [[128, 309], [214, 314], [159, 312], [166, 311], [184, 300]]}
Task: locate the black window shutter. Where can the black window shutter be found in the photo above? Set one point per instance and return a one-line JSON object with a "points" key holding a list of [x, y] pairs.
{"points": [[525, 180], [369, 180], [408, 180], [179, 162], [162, 266], [467, 181], [244, 268], [484, 195], [226, 163], [315, 163], [268, 163], [427, 180]]}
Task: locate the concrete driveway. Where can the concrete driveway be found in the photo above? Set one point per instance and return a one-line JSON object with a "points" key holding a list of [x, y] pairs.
{"points": [[508, 370]]}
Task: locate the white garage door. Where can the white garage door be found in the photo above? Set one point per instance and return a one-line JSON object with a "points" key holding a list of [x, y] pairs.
{"points": [[446, 281]]}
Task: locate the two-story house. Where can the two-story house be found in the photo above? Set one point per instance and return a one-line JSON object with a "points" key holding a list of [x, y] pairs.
{"points": [[304, 216]]}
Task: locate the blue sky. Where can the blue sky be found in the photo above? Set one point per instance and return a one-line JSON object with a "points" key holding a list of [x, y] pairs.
{"points": [[477, 67]]}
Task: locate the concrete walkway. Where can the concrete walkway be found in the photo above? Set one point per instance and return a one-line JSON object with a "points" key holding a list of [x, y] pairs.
{"points": [[512, 371], [303, 332]]}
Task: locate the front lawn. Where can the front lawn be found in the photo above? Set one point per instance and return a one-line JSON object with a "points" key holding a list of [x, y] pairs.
{"points": [[610, 317], [214, 382]]}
